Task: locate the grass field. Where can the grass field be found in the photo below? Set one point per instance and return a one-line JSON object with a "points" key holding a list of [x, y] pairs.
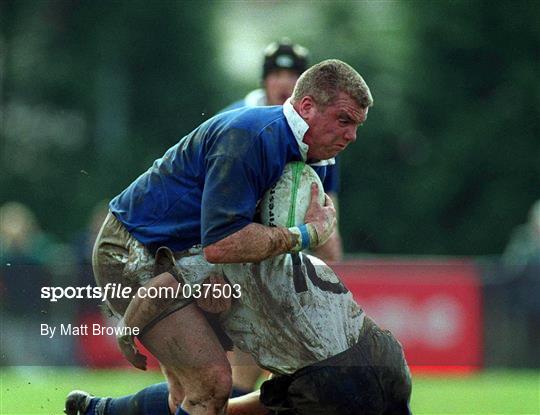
{"points": [[32, 390]]}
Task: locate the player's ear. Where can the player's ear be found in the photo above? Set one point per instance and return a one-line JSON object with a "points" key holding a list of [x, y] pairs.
{"points": [[306, 107]]}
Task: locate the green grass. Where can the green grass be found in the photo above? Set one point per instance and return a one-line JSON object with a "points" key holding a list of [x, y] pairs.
{"points": [[32, 390], [491, 392]]}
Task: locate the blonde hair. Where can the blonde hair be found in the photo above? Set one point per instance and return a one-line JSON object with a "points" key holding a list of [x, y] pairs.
{"points": [[325, 80]]}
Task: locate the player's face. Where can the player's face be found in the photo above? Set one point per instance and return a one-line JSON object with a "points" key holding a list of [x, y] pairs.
{"points": [[333, 128], [279, 86]]}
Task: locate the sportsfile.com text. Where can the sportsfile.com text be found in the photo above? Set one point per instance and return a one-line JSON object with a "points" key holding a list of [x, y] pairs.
{"points": [[113, 290]]}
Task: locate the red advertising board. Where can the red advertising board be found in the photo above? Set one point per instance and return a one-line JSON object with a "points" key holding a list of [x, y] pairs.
{"points": [[102, 350], [433, 308]]}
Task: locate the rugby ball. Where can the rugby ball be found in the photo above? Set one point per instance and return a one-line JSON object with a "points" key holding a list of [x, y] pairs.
{"points": [[286, 202]]}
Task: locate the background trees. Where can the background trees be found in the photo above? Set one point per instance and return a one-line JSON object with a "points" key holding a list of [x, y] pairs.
{"points": [[448, 162]]}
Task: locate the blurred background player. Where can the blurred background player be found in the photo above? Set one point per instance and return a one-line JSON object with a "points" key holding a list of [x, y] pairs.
{"points": [[524, 245], [521, 260], [25, 251], [283, 63], [28, 253]]}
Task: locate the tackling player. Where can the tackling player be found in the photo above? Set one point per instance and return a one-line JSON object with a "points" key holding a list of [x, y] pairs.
{"points": [[300, 322]]}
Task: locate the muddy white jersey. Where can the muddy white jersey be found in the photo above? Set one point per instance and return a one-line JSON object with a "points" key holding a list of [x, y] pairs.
{"points": [[293, 311]]}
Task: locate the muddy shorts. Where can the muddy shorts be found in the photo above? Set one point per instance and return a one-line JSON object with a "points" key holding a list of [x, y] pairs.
{"points": [[118, 258], [369, 378]]}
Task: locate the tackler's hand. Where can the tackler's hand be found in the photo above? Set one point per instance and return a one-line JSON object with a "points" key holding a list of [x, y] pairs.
{"points": [[127, 346]]}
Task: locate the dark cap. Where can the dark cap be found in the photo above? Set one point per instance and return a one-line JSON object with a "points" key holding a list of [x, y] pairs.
{"points": [[285, 55]]}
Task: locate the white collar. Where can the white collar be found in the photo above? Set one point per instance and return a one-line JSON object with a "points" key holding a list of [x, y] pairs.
{"points": [[299, 128]]}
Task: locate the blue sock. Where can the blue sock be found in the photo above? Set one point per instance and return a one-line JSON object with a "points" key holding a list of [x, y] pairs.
{"points": [[91, 410], [237, 391], [153, 400], [97, 406]]}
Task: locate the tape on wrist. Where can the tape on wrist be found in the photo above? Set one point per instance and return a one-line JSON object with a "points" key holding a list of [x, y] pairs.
{"points": [[306, 241], [303, 238]]}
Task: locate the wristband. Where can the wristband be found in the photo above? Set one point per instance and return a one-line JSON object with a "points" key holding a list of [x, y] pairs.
{"points": [[306, 237]]}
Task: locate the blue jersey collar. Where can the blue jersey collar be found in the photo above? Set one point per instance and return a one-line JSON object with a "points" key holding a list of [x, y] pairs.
{"points": [[299, 128]]}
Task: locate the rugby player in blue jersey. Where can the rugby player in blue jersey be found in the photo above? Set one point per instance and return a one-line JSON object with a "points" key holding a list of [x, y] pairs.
{"points": [[200, 199], [282, 65]]}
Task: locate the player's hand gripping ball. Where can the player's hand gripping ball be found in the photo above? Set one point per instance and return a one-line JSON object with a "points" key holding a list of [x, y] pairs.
{"points": [[298, 201]]}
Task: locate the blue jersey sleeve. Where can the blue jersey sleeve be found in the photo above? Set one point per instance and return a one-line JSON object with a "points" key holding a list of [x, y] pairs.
{"points": [[230, 195], [331, 180], [234, 106]]}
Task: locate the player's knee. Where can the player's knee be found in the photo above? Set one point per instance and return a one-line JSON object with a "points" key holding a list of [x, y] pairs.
{"points": [[220, 383], [213, 388]]}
